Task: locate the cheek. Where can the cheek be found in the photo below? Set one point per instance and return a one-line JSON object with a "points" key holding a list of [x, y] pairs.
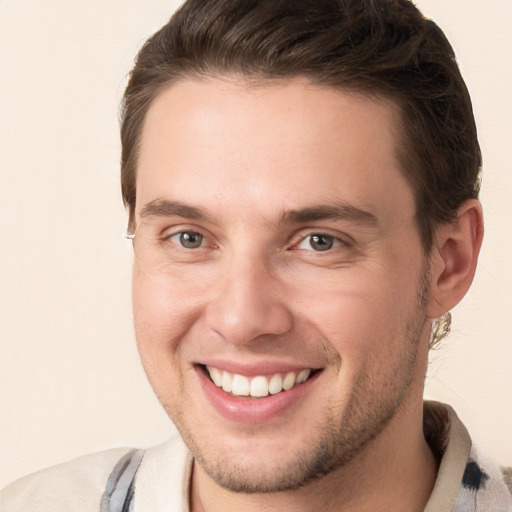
{"points": [[365, 312], [352, 323], [162, 317], [163, 311]]}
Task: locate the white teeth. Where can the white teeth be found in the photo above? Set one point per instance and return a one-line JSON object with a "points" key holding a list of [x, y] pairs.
{"points": [[289, 381], [303, 376], [259, 386], [240, 385], [216, 376], [275, 385], [227, 382]]}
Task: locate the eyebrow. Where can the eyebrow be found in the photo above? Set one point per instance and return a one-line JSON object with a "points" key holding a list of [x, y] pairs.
{"points": [[166, 208], [338, 211]]}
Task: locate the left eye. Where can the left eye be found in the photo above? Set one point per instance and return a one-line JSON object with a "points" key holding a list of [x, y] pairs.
{"points": [[319, 242], [188, 239]]}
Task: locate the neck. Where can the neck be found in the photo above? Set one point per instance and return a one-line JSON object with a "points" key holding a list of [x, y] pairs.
{"points": [[396, 471]]}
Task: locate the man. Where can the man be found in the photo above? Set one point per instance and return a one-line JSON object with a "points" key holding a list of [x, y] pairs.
{"points": [[302, 185]]}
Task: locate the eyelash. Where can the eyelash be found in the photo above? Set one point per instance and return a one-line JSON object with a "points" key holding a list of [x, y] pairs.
{"points": [[336, 241], [168, 238]]}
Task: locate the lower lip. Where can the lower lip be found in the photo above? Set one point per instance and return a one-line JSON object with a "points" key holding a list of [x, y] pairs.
{"points": [[253, 410]]}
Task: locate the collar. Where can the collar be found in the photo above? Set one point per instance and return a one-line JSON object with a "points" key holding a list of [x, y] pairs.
{"points": [[164, 477]]}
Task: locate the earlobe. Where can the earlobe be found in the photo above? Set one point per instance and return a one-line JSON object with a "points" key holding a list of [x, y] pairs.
{"points": [[454, 258]]}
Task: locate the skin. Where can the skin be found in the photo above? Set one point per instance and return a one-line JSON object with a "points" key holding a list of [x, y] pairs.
{"points": [[257, 291]]}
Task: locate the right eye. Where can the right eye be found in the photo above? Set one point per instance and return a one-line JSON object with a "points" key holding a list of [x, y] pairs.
{"points": [[188, 239]]}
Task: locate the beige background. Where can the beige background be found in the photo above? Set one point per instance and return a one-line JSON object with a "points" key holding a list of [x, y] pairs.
{"points": [[70, 380]]}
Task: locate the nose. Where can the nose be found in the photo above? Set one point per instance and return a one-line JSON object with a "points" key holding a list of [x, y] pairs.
{"points": [[249, 303]]}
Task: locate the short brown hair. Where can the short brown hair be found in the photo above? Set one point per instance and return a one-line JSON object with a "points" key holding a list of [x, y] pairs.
{"points": [[378, 47]]}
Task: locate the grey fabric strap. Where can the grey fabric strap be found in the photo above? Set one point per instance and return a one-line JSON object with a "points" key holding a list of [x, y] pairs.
{"points": [[118, 495]]}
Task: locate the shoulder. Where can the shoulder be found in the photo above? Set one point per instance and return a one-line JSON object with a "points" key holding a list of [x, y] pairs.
{"points": [[465, 476], [163, 479], [486, 483], [76, 485], [507, 478]]}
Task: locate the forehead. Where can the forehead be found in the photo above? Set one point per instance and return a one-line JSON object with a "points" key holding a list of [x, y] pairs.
{"points": [[278, 144]]}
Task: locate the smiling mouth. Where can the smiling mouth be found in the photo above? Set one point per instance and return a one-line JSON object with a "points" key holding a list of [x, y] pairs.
{"points": [[259, 386]]}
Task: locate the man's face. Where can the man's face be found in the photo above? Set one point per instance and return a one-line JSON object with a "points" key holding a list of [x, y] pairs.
{"points": [[276, 242]]}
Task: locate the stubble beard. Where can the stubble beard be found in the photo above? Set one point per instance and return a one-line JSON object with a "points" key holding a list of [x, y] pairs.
{"points": [[343, 437]]}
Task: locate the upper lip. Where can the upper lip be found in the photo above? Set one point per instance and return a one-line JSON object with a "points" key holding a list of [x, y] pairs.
{"points": [[256, 368]]}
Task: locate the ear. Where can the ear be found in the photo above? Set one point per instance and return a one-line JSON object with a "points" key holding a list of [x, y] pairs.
{"points": [[454, 258]]}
